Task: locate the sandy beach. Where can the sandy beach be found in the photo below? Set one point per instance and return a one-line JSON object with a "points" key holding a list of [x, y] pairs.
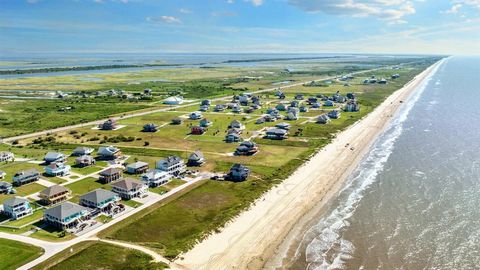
{"points": [[260, 237]]}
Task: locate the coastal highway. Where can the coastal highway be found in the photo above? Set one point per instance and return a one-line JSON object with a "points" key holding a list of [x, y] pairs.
{"points": [[146, 112]]}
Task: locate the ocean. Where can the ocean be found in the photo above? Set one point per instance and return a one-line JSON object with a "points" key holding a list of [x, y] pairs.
{"points": [[414, 200]]}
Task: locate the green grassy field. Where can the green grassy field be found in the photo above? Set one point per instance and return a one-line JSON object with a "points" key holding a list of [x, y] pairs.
{"points": [[98, 255], [14, 254]]}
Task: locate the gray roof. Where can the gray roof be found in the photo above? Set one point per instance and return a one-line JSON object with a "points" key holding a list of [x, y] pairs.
{"points": [[5, 185], [110, 171], [98, 195], [127, 184], [53, 155], [276, 131], [136, 165], [64, 210], [82, 150], [50, 191], [171, 160], [14, 201], [107, 150], [197, 155], [27, 172]]}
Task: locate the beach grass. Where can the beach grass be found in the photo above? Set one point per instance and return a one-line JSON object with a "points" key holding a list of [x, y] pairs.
{"points": [[14, 254]]}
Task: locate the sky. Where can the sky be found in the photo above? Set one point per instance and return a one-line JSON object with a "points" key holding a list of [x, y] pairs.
{"points": [[240, 26]]}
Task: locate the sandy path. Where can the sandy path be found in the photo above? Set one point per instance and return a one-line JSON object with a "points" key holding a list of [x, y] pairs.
{"points": [[253, 237]]}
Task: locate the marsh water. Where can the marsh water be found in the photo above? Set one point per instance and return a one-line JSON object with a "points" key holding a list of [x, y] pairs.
{"points": [[414, 201]]}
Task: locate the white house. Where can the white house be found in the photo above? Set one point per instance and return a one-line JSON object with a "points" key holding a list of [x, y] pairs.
{"points": [[172, 164]]}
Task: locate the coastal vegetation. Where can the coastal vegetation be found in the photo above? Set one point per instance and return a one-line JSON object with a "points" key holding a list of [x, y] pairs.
{"points": [[14, 254]]}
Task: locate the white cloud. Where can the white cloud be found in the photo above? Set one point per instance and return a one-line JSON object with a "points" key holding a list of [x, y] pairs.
{"points": [[230, 1], [32, 1], [453, 10], [471, 3], [164, 19], [392, 11], [185, 11], [255, 2]]}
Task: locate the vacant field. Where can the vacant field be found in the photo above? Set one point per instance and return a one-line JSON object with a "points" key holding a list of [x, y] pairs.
{"points": [[14, 254], [98, 255]]}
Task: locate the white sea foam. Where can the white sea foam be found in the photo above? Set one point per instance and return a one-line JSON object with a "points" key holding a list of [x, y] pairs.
{"points": [[327, 249]]}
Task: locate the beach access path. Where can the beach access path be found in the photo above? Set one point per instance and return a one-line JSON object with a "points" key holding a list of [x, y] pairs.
{"points": [[252, 239]]}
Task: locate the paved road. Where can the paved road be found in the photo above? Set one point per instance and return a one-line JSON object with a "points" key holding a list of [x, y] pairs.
{"points": [[135, 114], [52, 248]]}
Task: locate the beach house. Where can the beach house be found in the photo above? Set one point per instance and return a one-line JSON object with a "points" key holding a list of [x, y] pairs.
{"points": [[323, 119], [276, 134], [110, 175], [130, 188], [238, 173], [219, 108], [173, 100], [195, 115], [66, 215], [155, 178], [177, 121], [6, 156], [150, 127], [285, 126], [232, 137], [172, 164], [205, 123], [110, 124], [299, 96], [84, 161], [2, 174], [25, 177], [328, 103], [100, 199], [281, 107], [54, 157], [82, 151], [236, 124], [54, 194], [334, 114], [246, 148], [57, 169], [197, 130], [137, 167], [352, 106], [17, 208], [6, 188], [108, 152], [196, 159], [206, 102]]}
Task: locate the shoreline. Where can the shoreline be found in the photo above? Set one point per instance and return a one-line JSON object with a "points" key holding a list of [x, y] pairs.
{"points": [[264, 235]]}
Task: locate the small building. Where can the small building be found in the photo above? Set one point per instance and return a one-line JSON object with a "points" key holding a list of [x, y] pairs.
{"points": [[2, 174], [100, 199], [285, 126], [108, 152], [299, 97], [195, 115], [57, 169], [236, 124], [150, 127], [6, 156], [395, 76], [204, 108], [17, 208], [316, 105], [205, 123], [294, 103], [67, 215], [129, 188], [238, 173], [206, 102], [311, 100], [219, 108], [352, 106], [177, 121], [110, 124], [110, 175], [382, 81], [147, 91], [260, 120], [155, 178], [232, 137], [323, 119], [292, 116], [237, 109], [84, 161], [328, 103], [350, 95], [172, 164], [82, 151], [334, 114], [197, 130], [281, 107], [138, 167], [246, 148], [54, 157], [54, 194], [173, 100], [25, 177], [276, 134], [196, 159], [6, 188], [269, 118]]}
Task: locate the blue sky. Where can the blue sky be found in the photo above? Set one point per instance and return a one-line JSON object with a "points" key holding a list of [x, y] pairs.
{"points": [[372, 26]]}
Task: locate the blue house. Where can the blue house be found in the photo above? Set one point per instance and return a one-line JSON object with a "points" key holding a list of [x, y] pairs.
{"points": [[57, 169], [17, 208]]}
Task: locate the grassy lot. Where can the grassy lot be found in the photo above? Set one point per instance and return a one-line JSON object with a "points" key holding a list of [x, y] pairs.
{"points": [[131, 203], [98, 255], [37, 215], [29, 189], [84, 186], [14, 254], [169, 186]]}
